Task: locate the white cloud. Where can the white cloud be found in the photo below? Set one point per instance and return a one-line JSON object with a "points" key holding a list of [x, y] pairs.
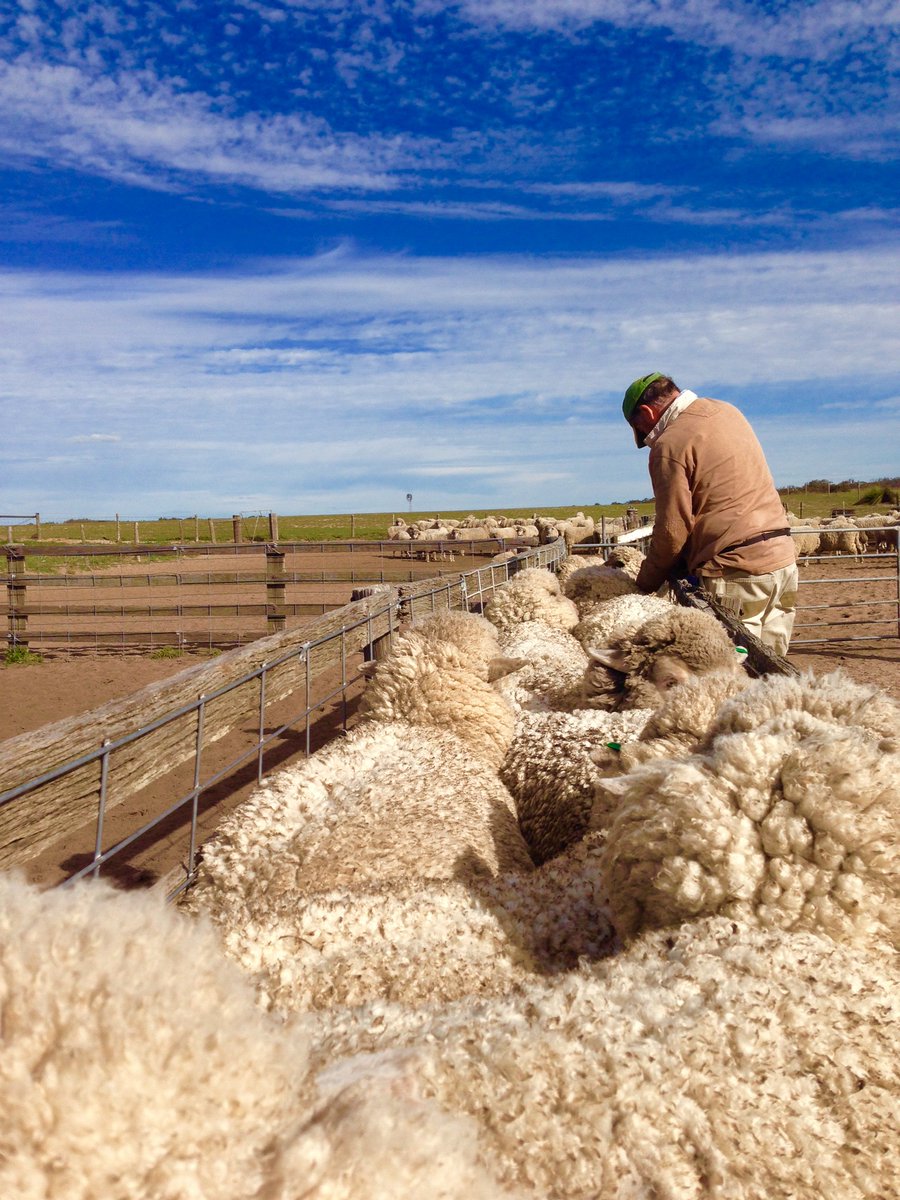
{"points": [[329, 381]]}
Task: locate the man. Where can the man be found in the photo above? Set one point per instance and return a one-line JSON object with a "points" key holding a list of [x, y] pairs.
{"points": [[718, 514]]}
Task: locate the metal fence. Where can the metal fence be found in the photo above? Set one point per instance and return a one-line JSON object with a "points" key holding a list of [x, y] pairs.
{"points": [[142, 598], [320, 670], [869, 581]]}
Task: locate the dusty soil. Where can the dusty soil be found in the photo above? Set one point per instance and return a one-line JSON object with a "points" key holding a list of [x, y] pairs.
{"points": [[65, 685]]}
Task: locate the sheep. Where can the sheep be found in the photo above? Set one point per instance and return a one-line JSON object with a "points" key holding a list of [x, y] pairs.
{"points": [[664, 651], [711, 1059], [532, 594], [619, 616], [551, 773], [593, 584], [628, 558], [678, 727], [412, 790], [136, 1063], [785, 817], [547, 664], [577, 562], [836, 538]]}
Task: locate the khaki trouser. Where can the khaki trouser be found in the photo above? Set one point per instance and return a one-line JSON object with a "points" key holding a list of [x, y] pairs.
{"points": [[764, 604]]}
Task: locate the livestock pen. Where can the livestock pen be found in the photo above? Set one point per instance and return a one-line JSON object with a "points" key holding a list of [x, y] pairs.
{"points": [[118, 786]]}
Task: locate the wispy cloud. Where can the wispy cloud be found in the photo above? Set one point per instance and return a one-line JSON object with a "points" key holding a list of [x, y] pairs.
{"points": [[342, 376]]}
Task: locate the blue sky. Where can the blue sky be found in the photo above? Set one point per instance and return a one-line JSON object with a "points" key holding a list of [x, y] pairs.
{"points": [[311, 255]]}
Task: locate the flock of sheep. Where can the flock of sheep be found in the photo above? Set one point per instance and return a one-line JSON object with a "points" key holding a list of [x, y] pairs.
{"points": [[575, 529], [845, 535], [577, 909]]}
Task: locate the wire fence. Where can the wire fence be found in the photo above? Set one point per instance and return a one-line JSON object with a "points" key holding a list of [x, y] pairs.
{"points": [[132, 745]]}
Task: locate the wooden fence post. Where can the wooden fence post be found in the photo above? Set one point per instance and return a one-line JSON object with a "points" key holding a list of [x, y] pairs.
{"points": [[196, 528], [275, 584], [380, 647], [273, 528], [236, 525], [352, 525], [212, 531], [137, 533], [118, 529], [15, 593], [37, 527]]}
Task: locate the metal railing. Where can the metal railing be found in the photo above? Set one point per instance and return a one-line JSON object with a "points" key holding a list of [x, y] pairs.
{"points": [[890, 623], [467, 590]]}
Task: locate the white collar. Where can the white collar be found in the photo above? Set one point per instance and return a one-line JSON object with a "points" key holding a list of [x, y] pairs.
{"points": [[682, 401]]}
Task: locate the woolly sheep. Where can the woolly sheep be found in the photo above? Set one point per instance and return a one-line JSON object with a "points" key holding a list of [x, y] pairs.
{"points": [[577, 562], [412, 790], [551, 773], [531, 595], [593, 584], [666, 650], [712, 1059], [628, 558], [136, 1064], [787, 817], [619, 616], [549, 666]]}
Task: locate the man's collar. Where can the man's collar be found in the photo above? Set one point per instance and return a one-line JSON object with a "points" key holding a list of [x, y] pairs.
{"points": [[682, 401]]}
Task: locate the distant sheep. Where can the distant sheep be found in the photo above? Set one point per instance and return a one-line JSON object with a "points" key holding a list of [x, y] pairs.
{"points": [[786, 818]]}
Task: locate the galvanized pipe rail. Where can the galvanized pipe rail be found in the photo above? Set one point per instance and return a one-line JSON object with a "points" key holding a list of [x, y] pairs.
{"points": [[21, 839]]}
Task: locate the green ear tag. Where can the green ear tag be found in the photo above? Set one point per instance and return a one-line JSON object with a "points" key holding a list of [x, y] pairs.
{"points": [[614, 745], [740, 649]]}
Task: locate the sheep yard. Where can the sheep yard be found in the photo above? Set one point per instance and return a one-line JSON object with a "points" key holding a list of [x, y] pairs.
{"points": [[531, 928]]}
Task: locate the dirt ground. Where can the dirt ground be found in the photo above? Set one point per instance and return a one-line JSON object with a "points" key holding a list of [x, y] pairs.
{"points": [[32, 696]]}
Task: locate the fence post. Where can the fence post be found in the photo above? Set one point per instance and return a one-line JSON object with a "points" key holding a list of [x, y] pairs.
{"points": [[237, 529], [37, 527], [212, 531], [118, 529], [15, 593], [352, 526], [275, 585], [273, 528], [196, 527]]}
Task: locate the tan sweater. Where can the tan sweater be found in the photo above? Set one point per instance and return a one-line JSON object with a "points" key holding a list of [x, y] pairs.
{"points": [[713, 489]]}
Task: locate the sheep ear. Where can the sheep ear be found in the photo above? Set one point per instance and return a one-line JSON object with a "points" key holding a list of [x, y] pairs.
{"points": [[607, 656], [616, 785], [502, 665], [368, 669]]}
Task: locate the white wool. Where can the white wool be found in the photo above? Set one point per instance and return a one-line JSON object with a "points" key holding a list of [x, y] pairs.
{"points": [[553, 667], [551, 773], [531, 595], [713, 1059], [620, 616]]}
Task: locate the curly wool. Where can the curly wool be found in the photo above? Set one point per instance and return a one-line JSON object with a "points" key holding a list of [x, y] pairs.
{"points": [[531, 595], [592, 584], [791, 825], [712, 1060], [621, 616], [628, 558], [436, 677], [675, 729], [690, 640], [136, 1064], [551, 774], [387, 801], [553, 666]]}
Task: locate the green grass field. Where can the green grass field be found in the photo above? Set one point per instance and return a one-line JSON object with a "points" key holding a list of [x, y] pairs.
{"points": [[364, 526]]}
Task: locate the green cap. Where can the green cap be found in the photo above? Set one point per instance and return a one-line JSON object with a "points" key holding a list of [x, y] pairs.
{"points": [[636, 390]]}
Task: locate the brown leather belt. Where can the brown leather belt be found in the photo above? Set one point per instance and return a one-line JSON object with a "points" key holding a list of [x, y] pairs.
{"points": [[760, 537]]}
